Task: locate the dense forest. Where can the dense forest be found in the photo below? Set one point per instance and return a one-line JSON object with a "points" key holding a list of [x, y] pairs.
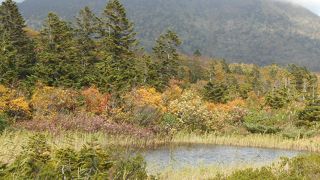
{"points": [[262, 32], [93, 76]]}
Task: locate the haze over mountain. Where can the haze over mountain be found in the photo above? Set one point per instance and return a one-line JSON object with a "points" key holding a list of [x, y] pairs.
{"points": [[250, 31]]}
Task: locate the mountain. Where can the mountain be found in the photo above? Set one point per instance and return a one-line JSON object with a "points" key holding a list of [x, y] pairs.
{"points": [[250, 31]]}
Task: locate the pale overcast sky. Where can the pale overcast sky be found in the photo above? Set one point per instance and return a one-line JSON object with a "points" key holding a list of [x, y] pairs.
{"points": [[313, 5]]}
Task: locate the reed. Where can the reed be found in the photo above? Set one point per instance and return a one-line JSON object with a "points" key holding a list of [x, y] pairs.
{"points": [[201, 173], [13, 141], [253, 140]]}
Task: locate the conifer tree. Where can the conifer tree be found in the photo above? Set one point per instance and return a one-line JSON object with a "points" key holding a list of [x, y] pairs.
{"points": [[87, 29], [147, 71], [165, 50], [300, 75], [311, 112], [58, 56], [277, 99], [254, 78], [118, 65], [17, 57], [216, 92], [197, 53]]}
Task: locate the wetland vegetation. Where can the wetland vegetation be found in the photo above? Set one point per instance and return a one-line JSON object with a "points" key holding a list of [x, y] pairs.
{"points": [[82, 101]]}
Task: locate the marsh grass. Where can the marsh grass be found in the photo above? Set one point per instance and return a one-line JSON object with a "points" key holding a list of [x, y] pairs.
{"points": [[253, 140], [200, 173], [13, 141]]}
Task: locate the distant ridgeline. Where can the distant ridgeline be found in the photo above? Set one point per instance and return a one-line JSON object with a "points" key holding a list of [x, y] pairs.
{"points": [[250, 31]]}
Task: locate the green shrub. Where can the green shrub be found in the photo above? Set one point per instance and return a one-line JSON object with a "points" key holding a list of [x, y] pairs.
{"points": [[311, 112], [300, 167], [133, 168], [169, 121], [294, 133], [261, 129], [257, 174], [3, 123], [266, 118], [39, 161]]}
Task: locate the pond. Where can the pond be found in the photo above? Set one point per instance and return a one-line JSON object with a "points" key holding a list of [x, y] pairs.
{"points": [[211, 155]]}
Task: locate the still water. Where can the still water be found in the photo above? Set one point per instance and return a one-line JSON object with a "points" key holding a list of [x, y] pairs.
{"points": [[211, 155]]}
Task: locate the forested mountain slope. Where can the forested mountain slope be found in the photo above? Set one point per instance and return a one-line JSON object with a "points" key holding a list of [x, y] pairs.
{"points": [[250, 31]]}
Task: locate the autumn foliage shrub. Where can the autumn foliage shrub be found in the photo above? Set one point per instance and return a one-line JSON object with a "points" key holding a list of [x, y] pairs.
{"points": [[19, 109], [191, 112], [50, 101], [172, 93], [95, 101], [228, 107], [14, 106], [146, 106]]}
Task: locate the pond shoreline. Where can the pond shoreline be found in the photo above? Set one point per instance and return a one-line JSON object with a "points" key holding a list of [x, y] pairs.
{"points": [[12, 141], [252, 140]]}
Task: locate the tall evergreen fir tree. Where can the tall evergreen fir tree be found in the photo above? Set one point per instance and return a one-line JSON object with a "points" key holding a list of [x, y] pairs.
{"points": [[147, 71], [17, 50], [300, 75], [165, 50], [216, 92], [58, 54], [87, 32], [118, 43]]}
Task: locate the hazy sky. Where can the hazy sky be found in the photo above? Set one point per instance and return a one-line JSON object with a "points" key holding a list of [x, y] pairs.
{"points": [[313, 5]]}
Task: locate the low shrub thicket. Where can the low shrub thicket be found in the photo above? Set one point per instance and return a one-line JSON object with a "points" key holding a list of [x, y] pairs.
{"points": [[173, 110], [49, 101], [13, 105], [40, 161]]}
